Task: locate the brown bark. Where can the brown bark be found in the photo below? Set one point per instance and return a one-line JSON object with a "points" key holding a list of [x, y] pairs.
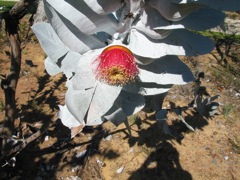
{"points": [[9, 84]]}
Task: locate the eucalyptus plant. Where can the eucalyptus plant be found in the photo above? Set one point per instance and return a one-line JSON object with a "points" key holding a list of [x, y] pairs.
{"points": [[117, 53]]}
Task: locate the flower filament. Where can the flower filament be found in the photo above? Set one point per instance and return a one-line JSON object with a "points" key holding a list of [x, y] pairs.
{"points": [[116, 66]]}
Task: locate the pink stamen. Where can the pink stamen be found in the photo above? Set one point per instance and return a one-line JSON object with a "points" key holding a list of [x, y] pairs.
{"points": [[116, 66]]}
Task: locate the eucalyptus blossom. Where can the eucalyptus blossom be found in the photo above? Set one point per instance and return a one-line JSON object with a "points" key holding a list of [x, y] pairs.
{"points": [[116, 53]]}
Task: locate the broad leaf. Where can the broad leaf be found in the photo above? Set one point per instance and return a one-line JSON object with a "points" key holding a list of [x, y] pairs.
{"points": [[82, 16], [203, 19], [179, 42], [171, 11], [102, 100], [61, 58], [77, 101], [67, 118], [150, 19], [126, 104], [51, 67], [49, 41], [159, 76], [103, 6], [84, 77], [69, 34]]}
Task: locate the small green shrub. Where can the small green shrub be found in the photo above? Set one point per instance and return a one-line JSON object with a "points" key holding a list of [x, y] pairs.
{"points": [[227, 109], [6, 5], [219, 35]]}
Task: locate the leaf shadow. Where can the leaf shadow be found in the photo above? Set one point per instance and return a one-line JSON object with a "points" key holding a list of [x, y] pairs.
{"points": [[48, 158], [163, 159], [33, 110]]}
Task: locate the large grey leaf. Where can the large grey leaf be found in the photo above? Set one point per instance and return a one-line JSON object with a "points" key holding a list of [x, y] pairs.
{"points": [[116, 116], [102, 100], [150, 19], [166, 70], [60, 58], [171, 11], [200, 19], [49, 41], [69, 34], [51, 67], [82, 16], [203, 19], [84, 77], [126, 104], [67, 118], [179, 42], [159, 76], [103, 6], [78, 101], [91, 104], [68, 63]]}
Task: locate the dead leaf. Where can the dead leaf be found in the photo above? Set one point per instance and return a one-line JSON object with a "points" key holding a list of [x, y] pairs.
{"points": [[76, 130]]}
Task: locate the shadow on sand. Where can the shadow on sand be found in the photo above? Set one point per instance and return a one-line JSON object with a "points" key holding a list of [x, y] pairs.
{"points": [[46, 159]]}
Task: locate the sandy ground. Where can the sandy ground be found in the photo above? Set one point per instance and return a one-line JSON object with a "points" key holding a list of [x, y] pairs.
{"points": [[107, 152]]}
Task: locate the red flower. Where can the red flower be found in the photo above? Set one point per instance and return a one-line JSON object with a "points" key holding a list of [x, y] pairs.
{"points": [[116, 66]]}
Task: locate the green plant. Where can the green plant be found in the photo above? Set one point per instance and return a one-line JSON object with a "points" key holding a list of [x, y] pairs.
{"points": [[2, 105], [227, 76], [227, 46], [227, 109], [235, 143], [6, 5], [232, 15], [219, 35]]}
